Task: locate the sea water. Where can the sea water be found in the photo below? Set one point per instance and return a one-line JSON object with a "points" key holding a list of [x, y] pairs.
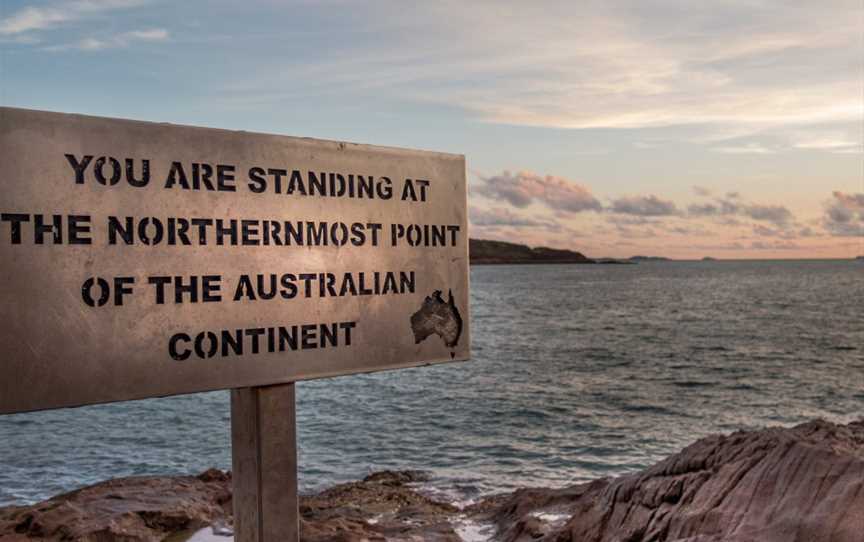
{"points": [[578, 372]]}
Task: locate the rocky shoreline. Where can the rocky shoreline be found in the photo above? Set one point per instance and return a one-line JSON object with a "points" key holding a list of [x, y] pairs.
{"points": [[804, 483]]}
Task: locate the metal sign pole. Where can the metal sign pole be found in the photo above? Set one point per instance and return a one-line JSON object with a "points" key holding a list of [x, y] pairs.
{"points": [[264, 461]]}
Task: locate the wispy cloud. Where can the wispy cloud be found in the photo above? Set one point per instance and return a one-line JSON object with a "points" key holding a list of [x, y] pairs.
{"points": [[31, 18], [500, 216], [774, 245], [40, 18], [118, 40], [750, 148], [516, 225], [20, 39], [761, 230], [832, 141], [740, 67], [837, 138]]}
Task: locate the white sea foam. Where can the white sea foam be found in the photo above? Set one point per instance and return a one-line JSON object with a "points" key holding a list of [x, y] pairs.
{"points": [[473, 531], [551, 517], [209, 534]]}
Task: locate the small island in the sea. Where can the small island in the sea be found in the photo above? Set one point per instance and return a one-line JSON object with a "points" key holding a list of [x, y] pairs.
{"points": [[484, 251], [709, 259]]}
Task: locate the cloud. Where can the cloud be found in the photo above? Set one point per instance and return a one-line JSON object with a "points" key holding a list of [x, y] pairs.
{"points": [[111, 42], [31, 18], [40, 18], [776, 214], [636, 233], [774, 245], [20, 39], [780, 233], [736, 67], [643, 206], [548, 207], [654, 225], [499, 216], [631, 220], [525, 188], [150, 34], [732, 205], [687, 230], [841, 140], [750, 148], [833, 145], [505, 224], [704, 209], [844, 215]]}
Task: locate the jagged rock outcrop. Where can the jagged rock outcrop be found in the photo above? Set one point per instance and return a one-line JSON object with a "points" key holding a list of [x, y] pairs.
{"points": [[803, 484], [775, 485]]}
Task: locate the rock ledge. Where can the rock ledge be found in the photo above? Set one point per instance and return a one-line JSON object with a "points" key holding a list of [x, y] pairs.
{"points": [[804, 483]]}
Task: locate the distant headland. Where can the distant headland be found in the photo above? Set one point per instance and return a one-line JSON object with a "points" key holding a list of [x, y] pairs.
{"points": [[500, 252], [486, 252]]}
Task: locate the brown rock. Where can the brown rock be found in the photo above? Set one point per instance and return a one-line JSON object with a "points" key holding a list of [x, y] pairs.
{"points": [[149, 509], [802, 484], [380, 507], [774, 485], [125, 509]]}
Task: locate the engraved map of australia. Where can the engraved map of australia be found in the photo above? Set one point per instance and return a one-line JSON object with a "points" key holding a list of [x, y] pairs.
{"points": [[437, 317]]}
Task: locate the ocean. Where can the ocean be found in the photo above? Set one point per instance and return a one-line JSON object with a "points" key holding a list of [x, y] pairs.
{"points": [[578, 372]]}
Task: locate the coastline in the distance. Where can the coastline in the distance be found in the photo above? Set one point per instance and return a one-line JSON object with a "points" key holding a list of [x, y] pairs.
{"points": [[487, 252]]}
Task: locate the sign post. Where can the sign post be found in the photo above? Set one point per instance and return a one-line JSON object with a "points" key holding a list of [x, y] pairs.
{"points": [[264, 463], [144, 260]]}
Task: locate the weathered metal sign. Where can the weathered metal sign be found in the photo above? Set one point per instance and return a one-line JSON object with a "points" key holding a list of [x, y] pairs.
{"points": [[141, 260]]}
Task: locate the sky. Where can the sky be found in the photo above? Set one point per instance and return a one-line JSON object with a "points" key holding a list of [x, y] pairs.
{"points": [[684, 129]]}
